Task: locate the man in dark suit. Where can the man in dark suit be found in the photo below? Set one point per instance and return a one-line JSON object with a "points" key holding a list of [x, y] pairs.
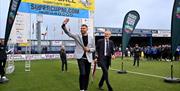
{"points": [[105, 51], [137, 54], [63, 58]]}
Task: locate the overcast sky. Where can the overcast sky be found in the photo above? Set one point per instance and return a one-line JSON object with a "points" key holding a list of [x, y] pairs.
{"points": [[154, 14]]}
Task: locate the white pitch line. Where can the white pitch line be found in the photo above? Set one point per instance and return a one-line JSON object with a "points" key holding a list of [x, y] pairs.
{"points": [[144, 74]]}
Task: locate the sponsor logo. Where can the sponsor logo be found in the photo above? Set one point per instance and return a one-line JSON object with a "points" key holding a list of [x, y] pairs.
{"points": [[86, 3]]}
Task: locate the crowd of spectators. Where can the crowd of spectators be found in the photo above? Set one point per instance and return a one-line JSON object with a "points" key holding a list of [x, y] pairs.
{"points": [[159, 52]]}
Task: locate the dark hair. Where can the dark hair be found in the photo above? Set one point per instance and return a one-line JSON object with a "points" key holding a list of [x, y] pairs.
{"points": [[84, 25]]}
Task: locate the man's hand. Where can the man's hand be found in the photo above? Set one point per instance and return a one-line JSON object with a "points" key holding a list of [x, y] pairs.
{"points": [[113, 57], [86, 49], [66, 21]]}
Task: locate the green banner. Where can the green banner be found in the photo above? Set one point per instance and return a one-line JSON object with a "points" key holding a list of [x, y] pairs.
{"points": [[175, 26], [13, 7], [130, 21]]}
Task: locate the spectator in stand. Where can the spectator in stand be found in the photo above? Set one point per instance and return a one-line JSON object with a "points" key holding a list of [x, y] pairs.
{"points": [[154, 53], [176, 55], [126, 52]]}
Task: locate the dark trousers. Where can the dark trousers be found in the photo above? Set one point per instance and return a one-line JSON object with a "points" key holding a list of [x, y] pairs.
{"points": [[64, 63], [105, 63], [136, 59], [2, 66], [84, 71]]}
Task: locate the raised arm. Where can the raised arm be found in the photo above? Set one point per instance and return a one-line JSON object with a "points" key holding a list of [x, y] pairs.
{"points": [[75, 37], [63, 26]]}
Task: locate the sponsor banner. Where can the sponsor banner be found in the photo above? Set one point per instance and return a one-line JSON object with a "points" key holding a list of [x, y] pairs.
{"points": [[130, 21], [80, 4], [53, 10], [57, 43], [43, 43], [175, 26], [24, 44], [162, 35], [118, 54], [20, 28], [18, 57], [13, 7], [141, 35]]}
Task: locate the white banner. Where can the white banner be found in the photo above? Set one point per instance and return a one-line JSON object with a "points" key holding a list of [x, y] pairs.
{"points": [[18, 57], [56, 43], [20, 28]]}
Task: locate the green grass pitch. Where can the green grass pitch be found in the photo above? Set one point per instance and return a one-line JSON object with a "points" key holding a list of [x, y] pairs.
{"points": [[46, 75]]}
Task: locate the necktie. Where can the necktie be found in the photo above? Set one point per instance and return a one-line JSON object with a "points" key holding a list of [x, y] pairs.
{"points": [[107, 47]]}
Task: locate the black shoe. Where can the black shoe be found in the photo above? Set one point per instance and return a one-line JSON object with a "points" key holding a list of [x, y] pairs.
{"points": [[110, 89]]}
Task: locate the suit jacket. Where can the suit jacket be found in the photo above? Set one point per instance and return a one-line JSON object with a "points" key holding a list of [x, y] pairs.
{"points": [[100, 48], [63, 54], [79, 43]]}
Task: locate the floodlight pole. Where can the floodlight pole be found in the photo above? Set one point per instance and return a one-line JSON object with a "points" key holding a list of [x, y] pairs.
{"points": [[38, 34]]}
